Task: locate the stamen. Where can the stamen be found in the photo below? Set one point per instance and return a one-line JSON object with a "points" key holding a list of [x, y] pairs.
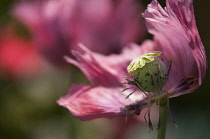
{"points": [[150, 123], [158, 67], [170, 60], [139, 85], [186, 84], [125, 89], [133, 107], [126, 78], [193, 82], [131, 93], [146, 94], [148, 114], [151, 77], [139, 105], [130, 82], [169, 111], [138, 111], [145, 116]]}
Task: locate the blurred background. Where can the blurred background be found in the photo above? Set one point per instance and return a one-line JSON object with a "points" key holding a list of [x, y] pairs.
{"points": [[34, 37]]}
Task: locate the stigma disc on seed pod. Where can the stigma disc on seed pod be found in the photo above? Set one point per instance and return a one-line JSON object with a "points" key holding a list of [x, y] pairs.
{"points": [[149, 73]]}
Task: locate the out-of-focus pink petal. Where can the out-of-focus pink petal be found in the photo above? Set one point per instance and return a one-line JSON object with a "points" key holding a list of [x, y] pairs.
{"points": [[104, 26], [176, 35], [87, 103], [112, 24], [45, 22]]}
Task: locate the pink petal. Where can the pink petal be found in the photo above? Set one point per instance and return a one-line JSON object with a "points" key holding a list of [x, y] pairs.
{"points": [[104, 26], [46, 26], [108, 70], [87, 103], [105, 72], [176, 35], [112, 24], [185, 14], [96, 74]]}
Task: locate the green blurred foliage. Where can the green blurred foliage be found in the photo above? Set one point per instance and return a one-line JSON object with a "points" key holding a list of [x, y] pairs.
{"points": [[5, 6]]}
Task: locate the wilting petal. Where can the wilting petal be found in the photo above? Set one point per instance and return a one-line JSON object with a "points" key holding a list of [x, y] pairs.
{"points": [[92, 68], [108, 70], [176, 35], [117, 63], [87, 103], [104, 99], [185, 14]]}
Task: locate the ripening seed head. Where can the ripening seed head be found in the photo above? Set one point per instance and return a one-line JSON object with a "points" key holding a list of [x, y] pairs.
{"points": [[149, 73]]}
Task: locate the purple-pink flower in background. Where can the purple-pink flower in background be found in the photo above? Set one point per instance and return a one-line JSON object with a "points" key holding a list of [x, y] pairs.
{"points": [[175, 35], [104, 26]]}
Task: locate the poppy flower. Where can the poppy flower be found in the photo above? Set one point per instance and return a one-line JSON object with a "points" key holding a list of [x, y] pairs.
{"points": [[175, 36]]}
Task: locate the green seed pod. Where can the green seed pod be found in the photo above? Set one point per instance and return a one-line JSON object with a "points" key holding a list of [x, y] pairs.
{"points": [[149, 73]]}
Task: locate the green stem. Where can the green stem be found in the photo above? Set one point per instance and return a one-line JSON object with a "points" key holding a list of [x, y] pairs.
{"points": [[163, 116]]}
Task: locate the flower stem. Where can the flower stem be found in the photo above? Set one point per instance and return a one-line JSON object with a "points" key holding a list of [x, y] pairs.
{"points": [[163, 116]]}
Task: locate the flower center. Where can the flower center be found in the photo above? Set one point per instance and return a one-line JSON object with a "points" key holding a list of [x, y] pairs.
{"points": [[149, 73]]}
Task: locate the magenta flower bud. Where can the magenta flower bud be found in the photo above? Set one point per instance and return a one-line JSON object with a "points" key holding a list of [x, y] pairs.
{"points": [[149, 73]]}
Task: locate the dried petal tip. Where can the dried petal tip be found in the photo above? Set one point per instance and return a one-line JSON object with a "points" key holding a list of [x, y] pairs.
{"points": [[140, 61], [149, 73]]}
